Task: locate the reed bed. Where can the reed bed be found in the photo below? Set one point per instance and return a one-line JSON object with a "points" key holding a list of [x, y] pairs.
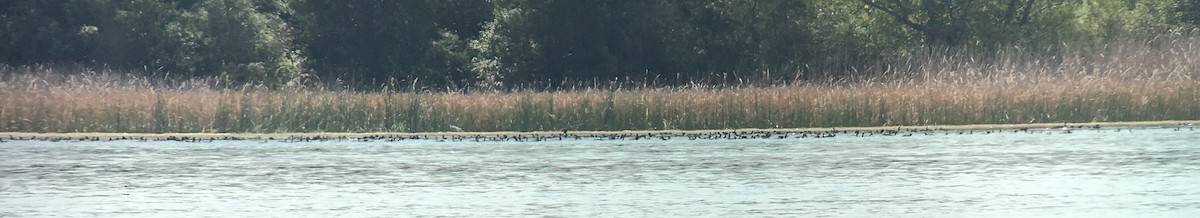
{"points": [[1145, 81]]}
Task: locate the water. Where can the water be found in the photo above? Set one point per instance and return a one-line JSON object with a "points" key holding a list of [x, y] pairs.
{"points": [[1088, 173]]}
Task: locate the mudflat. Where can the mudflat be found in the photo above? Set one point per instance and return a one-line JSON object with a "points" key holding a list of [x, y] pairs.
{"points": [[570, 133]]}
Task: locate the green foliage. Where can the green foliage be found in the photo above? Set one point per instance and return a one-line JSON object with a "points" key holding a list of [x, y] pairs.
{"points": [[1187, 11], [248, 41], [987, 24], [456, 44], [749, 36], [563, 41], [33, 31], [238, 40]]}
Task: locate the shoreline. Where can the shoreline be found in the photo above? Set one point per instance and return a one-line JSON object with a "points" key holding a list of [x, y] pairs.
{"points": [[299, 136]]}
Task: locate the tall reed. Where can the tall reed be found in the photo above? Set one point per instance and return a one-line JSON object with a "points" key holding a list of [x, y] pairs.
{"points": [[1134, 82]]}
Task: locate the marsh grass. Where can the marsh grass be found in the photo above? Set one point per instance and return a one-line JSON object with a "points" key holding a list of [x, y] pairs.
{"points": [[1151, 80]]}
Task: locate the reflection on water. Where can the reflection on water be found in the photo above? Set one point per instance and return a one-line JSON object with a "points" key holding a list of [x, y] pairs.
{"points": [[1147, 172]]}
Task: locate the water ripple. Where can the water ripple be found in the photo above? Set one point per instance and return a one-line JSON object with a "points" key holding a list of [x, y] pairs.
{"points": [[1088, 173]]}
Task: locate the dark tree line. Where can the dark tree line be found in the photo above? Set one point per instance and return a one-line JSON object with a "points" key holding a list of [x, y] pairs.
{"points": [[506, 43]]}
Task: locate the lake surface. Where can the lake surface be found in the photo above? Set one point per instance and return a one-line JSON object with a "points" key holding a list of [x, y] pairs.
{"points": [[1050, 173]]}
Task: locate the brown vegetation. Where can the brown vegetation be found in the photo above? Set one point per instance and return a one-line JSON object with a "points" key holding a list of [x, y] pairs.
{"points": [[1156, 80]]}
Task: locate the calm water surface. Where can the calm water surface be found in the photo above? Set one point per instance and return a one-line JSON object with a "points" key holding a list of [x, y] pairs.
{"points": [[1088, 173]]}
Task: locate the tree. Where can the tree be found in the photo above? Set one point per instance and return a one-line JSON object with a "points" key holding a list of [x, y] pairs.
{"points": [[33, 31], [248, 41], [242, 41], [464, 18], [1188, 11], [448, 61], [559, 41], [368, 40], [751, 36], [941, 22], [556, 41], [526, 43]]}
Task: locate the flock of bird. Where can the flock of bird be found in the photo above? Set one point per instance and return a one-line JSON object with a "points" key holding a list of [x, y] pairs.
{"points": [[567, 135]]}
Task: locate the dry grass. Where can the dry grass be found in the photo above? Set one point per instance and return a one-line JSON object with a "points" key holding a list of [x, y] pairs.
{"points": [[1154, 80]]}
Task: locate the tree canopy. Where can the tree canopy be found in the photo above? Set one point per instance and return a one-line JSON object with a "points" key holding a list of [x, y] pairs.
{"points": [[507, 43]]}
